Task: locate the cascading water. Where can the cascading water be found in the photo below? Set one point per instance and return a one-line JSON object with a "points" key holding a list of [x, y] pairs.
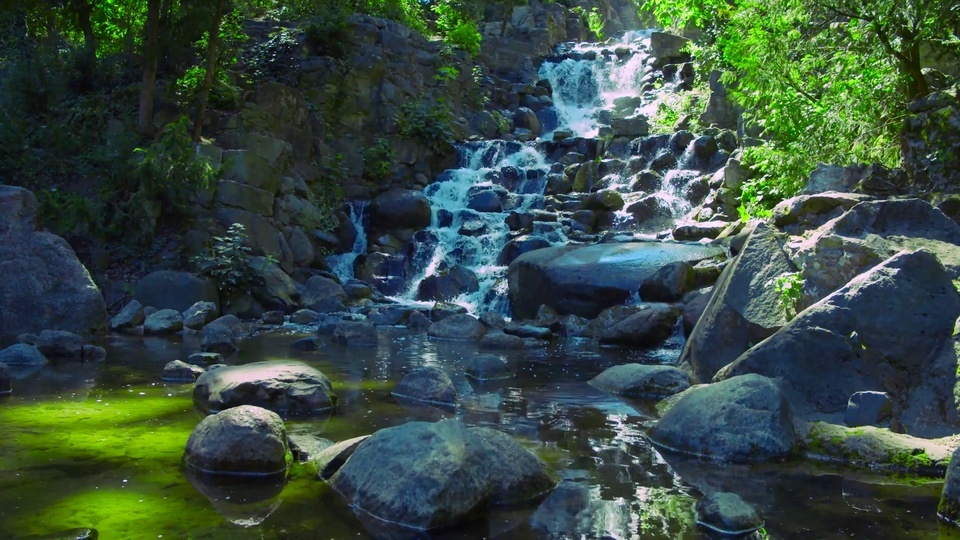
{"points": [[342, 265]]}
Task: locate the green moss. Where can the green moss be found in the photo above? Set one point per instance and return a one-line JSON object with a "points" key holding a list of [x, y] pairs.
{"points": [[914, 459]]}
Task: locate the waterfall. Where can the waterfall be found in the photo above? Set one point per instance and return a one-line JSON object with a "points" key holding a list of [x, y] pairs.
{"points": [[342, 265]]}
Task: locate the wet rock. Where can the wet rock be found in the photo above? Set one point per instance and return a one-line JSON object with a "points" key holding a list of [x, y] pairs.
{"points": [[698, 231], [669, 283], [428, 385], [306, 447], [163, 322], [649, 208], [244, 440], [647, 328], [458, 327], [323, 295], [129, 317], [274, 318], [810, 211], [634, 126], [493, 320], [868, 409], [584, 280], [418, 320], [447, 285], [180, 371], [949, 507], [93, 353], [59, 344], [178, 291], [286, 387], [306, 344], [357, 290], [22, 354], [487, 367], [200, 314], [442, 310], [693, 310], [668, 47], [525, 118], [273, 288], [742, 419], [330, 459], [356, 334], [642, 381], [727, 514], [304, 317], [386, 272], [604, 200], [219, 336], [453, 473], [486, 200], [400, 209], [519, 246], [497, 340], [205, 358]]}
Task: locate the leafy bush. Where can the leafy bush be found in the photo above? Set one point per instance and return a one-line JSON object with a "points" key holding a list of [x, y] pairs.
{"points": [[328, 31], [466, 36], [227, 261], [789, 289], [65, 213], [596, 23], [430, 124], [378, 160]]}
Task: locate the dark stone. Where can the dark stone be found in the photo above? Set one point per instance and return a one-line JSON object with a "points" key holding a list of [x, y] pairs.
{"points": [[356, 334], [286, 387], [949, 507], [400, 209], [496, 340], [166, 289], [486, 367], [727, 514], [163, 322], [206, 358], [519, 246], [22, 354], [323, 295], [448, 284], [180, 371], [458, 327], [304, 317], [485, 201], [649, 327], [642, 381], [669, 283], [868, 409], [244, 440], [273, 318], [198, 315], [129, 317], [6, 381], [528, 331], [306, 344], [59, 344], [430, 385]]}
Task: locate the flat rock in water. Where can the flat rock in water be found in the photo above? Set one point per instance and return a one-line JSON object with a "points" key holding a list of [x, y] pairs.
{"points": [[286, 387], [727, 514], [165, 321], [649, 327], [243, 440], [130, 316], [60, 344], [584, 280], [306, 447], [643, 381], [458, 327], [499, 341], [428, 384], [22, 354], [486, 367], [199, 315], [180, 371], [330, 459]]}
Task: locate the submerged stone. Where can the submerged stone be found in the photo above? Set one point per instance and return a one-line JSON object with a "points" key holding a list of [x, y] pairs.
{"points": [[180, 371], [727, 514], [638, 380], [429, 385]]}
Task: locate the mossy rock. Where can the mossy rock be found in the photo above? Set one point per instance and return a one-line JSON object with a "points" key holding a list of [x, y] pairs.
{"points": [[877, 448]]}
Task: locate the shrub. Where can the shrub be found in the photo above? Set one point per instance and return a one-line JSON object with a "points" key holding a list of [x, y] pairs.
{"points": [[378, 160], [430, 124], [227, 261]]}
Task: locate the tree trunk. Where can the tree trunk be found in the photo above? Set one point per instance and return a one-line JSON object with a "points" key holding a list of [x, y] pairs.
{"points": [[212, 56], [83, 10], [911, 70], [507, 12], [151, 52]]}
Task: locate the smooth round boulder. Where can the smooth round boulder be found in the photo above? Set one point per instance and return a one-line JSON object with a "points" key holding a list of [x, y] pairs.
{"points": [[163, 322], [727, 514], [642, 381], [286, 387], [400, 209], [130, 316], [219, 338], [488, 367], [485, 201], [742, 419], [304, 316], [435, 475], [244, 441], [429, 385], [461, 327], [180, 371], [58, 344], [200, 314], [22, 354], [273, 318]]}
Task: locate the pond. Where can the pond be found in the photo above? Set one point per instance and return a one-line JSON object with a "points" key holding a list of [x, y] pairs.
{"points": [[99, 445]]}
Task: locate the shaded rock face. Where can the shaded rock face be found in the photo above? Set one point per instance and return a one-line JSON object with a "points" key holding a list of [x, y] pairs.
{"points": [[42, 283], [647, 328], [400, 209], [167, 289], [22, 354], [6, 381], [742, 419], [130, 316], [930, 141], [584, 280], [430, 476], [198, 315], [743, 310], [286, 387], [430, 385], [458, 327], [244, 440], [165, 321], [642, 381], [879, 332], [949, 507], [323, 295], [356, 334]]}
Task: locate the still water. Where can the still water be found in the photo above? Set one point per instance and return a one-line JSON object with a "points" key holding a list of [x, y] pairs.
{"points": [[99, 445]]}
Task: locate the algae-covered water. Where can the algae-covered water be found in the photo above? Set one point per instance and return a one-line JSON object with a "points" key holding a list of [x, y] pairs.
{"points": [[99, 445]]}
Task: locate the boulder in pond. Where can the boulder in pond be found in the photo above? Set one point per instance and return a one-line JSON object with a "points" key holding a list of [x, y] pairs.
{"points": [[205, 358], [497, 340], [130, 316], [648, 327], [22, 354], [879, 332], [429, 385], [286, 387], [743, 419], [273, 288], [273, 318], [323, 295], [167, 289], [435, 475], [461, 327], [949, 507], [447, 285], [585, 280], [199, 315], [59, 344], [488, 367], [642, 381], [356, 334], [244, 441], [727, 514], [331, 458], [304, 316], [221, 335], [180, 371], [163, 322], [42, 283]]}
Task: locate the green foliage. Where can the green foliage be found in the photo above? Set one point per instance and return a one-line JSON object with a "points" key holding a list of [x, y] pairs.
{"points": [[227, 261], [66, 213], [789, 289], [596, 23], [378, 160], [673, 106], [328, 31], [430, 124]]}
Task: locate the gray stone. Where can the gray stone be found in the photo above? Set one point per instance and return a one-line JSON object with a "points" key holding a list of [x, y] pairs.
{"points": [[306, 344], [330, 459], [323, 295], [199, 315], [445, 474], [129, 317], [22, 354], [418, 320], [220, 336], [529, 331], [180, 371], [458, 327], [486, 367], [429, 385], [356, 334], [166, 289], [727, 514], [400, 209], [642, 381], [868, 409], [669, 283], [59, 344], [206, 358], [244, 441], [497, 340], [742, 419], [286, 387], [272, 317], [274, 289], [304, 316], [949, 507], [447, 285], [163, 322], [493, 320], [831, 178], [809, 211], [244, 197], [306, 448], [635, 126], [667, 46]]}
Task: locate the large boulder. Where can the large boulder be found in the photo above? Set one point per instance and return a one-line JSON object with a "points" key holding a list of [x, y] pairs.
{"points": [[431, 476], [743, 309], [642, 381], [430, 385], [878, 332], [648, 327], [448, 284], [42, 283], [274, 289], [356, 334], [323, 295], [743, 419], [584, 280], [286, 387], [400, 209], [242, 441], [167, 289], [458, 327], [22, 354]]}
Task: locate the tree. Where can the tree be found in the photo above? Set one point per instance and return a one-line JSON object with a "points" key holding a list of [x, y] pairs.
{"points": [[151, 53], [211, 68]]}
